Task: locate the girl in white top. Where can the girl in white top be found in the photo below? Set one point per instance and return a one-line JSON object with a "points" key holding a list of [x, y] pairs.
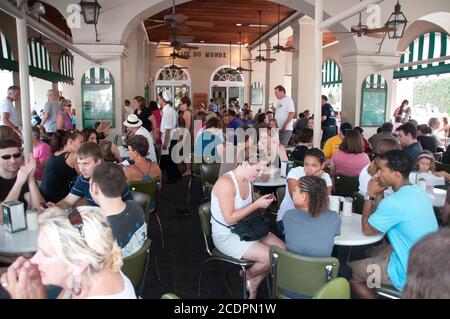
{"points": [[426, 169], [236, 185], [314, 164], [76, 251]]}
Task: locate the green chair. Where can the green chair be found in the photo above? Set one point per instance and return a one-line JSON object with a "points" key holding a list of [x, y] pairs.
{"points": [[209, 173], [204, 212], [442, 167], [388, 292], [135, 266], [298, 163], [170, 296], [438, 156], [151, 188], [300, 275], [208, 188], [290, 155], [346, 185], [338, 288]]}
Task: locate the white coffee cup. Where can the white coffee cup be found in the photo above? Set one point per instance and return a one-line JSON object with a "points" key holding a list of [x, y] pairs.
{"points": [[32, 220], [335, 203], [348, 205]]}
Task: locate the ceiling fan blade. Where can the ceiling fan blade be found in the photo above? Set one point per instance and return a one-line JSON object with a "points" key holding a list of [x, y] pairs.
{"points": [[249, 59], [163, 56], [380, 30], [268, 60], [156, 26], [184, 57], [375, 35], [156, 20], [205, 24], [184, 28], [186, 46], [265, 50], [180, 18]]}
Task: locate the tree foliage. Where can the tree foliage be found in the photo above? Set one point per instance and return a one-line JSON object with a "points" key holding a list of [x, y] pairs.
{"points": [[433, 91]]}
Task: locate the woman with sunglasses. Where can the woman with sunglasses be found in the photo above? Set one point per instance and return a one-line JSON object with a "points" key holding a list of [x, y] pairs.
{"points": [[77, 252], [64, 119]]}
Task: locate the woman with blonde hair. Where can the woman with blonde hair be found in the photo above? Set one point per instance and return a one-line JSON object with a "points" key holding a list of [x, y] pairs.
{"points": [[77, 252]]}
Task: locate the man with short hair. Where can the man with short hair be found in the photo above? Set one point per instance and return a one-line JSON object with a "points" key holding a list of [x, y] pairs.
{"points": [[284, 114], [213, 107], [126, 219], [328, 120], [89, 156], [332, 144], [134, 125], [269, 116], [385, 132], [407, 135], [405, 217], [17, 182], [8, 114], [51, 110]]}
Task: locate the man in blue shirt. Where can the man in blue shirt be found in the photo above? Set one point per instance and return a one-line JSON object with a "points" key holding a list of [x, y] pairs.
{"points": [[328, 120], [405, 217], [407, 135], [89, 156], [213, 107]]}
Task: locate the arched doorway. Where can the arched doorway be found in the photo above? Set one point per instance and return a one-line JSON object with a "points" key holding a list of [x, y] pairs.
{"points": [[176, 81], [227, 86]]}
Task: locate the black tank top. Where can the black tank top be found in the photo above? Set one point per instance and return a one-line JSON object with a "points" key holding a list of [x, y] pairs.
{"points": [[57, 179]]}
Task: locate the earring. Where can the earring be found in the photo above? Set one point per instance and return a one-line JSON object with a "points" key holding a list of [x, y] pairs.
{"points": [[76, 285]]}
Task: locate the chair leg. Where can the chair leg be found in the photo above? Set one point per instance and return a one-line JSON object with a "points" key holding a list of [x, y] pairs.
{"points": [[244, 278], [160, 229], [269, 288], [144, 276], [155, 263], [200, 276], [189, 189]]}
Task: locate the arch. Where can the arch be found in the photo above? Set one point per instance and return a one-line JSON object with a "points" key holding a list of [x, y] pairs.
{"points": [[331, 73], [177, 82], [373, 101], [172, 75], [221, 76]]}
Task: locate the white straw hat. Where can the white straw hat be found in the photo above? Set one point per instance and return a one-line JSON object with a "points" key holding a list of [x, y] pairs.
{"points": [[132, 121]]}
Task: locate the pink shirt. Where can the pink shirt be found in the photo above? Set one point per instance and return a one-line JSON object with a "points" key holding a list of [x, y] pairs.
{"points": [[349, 164], [41, 153]]}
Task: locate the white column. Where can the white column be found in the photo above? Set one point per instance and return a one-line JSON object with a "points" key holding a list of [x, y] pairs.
{"points": [[24, 75], [307, 75], [318, 72], [295, 88], [268, 90]]}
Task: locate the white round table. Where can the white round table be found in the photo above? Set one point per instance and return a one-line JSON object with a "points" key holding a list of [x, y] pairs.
{"points": [[437, 197], [24, 241], [273, 181], [351, 233], [291, 148]]}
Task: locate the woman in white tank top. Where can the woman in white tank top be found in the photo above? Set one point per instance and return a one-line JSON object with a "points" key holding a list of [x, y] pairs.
{"points": [[236, 185]]}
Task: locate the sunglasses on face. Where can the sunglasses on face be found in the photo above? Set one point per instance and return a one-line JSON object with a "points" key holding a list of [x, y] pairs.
{"points": [[75, 220], [8, 156]]}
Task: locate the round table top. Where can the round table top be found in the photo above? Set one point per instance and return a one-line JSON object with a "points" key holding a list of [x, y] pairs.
{"points": [[270, 180], [437, 197], [24, 241], [351, 232]]}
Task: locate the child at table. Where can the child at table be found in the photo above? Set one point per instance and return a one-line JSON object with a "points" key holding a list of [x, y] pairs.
{"points": [[426, 168]]}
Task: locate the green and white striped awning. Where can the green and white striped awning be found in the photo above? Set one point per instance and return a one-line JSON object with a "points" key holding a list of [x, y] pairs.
{"points": [[331, 73], [66, 67], [6, 58], [375, 82], [40, 62], [427, 46], [97, 76]]}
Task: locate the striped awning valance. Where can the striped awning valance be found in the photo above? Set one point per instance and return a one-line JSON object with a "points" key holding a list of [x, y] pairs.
{"points": [[66, 67], [375, 82], [427, 46], [97, 76], [331, 73], [6, 58], [40, 62]]}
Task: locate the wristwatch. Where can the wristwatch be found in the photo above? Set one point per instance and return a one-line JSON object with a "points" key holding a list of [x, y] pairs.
{"points": [[368, 197]]}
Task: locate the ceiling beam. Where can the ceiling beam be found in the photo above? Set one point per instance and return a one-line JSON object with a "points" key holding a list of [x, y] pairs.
{"points": [[283, 24], [45, 31]]}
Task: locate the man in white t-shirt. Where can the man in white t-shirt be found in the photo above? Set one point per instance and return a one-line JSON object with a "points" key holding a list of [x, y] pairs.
{"points": [[8, 115], [313, 165], [168, 125], [134, 124], [51, 110], [284, 114]]}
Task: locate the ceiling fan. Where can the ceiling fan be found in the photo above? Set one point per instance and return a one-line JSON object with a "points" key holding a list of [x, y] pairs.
{"points": [[180, 21], [240, 68], [173, 66], [363, 30], [277, 48], [260, 58], [175, 55]]}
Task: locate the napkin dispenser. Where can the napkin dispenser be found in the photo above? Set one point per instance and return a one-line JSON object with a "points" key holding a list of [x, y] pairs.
{"points": [[14, 216], [285, 168]]}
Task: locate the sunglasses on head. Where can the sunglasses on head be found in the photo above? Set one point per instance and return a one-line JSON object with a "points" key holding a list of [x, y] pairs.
{"points": [[75, 220], [8, 156]]}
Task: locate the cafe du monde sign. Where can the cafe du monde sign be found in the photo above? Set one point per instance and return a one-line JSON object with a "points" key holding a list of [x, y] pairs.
{"points": [[199, 54]]}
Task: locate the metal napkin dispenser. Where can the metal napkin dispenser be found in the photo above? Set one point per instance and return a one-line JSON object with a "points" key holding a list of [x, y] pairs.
{"points": [[285, 168], [14, 216]]}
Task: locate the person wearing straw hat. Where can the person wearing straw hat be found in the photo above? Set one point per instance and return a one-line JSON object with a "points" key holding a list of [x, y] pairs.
{"points": [[168, 125], [134, 126], [109, 149]]}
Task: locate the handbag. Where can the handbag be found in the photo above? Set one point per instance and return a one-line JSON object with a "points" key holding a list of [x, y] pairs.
{"points": [[251, 228]]}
